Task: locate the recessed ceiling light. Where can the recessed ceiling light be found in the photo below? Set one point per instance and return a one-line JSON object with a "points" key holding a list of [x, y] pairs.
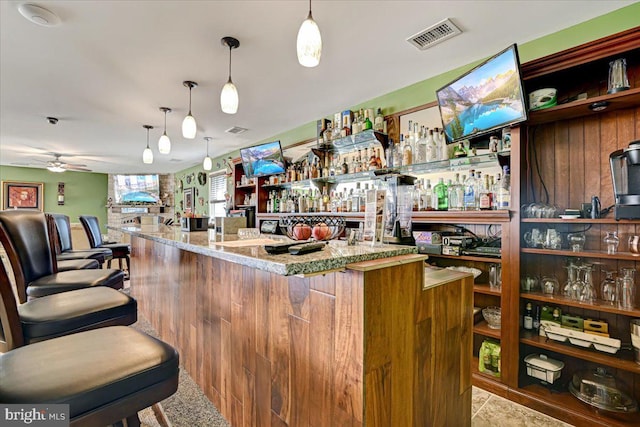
{"points": [[38, 15]]}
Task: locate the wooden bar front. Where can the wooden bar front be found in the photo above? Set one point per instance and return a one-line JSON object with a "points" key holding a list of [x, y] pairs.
{"points": [[366, 346]]}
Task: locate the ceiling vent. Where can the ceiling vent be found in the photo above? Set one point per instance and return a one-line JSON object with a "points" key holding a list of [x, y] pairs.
{"points": [[236, 130], [435, 34]]}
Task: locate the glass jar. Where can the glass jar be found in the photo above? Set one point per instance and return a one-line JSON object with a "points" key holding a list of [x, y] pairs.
{"points": [[576, 241], [550, 285], [612, 241]]}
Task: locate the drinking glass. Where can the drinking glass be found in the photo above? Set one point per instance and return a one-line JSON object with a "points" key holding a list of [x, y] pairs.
{"points": [[626, 288], [608, 287], [612, 241], [576, 241], [495, 276], [550, 285], [634, 244], [553, 240]]}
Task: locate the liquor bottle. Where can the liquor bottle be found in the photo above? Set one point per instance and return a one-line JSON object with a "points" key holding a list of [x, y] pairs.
{"points": [[388, 154], [470, 199], [536, 319], [363, 198], [456, 195], [378, 159], [528, 318], [504, 194], [345, 166], [378, 122], [356, 126], [366, 125], [427, 194], [485, 196], [407, 153], [373, 163], [355, 199], [441, 195], [459, 151], [397, 153], [442, 142], [495, 187], [417, 190], [326, 201]]}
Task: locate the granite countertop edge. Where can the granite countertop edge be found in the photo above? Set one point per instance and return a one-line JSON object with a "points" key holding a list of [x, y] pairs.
{"points": [[291, 265]]}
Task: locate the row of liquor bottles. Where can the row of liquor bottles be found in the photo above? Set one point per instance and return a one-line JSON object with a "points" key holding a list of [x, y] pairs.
{"points": [[350, 122], [472, 192]]}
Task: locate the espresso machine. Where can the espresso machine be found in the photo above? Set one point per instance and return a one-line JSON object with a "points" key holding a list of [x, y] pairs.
{"points": [[625, 170]]}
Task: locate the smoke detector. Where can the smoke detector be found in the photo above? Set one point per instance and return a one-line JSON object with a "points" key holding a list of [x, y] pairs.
{"points": [[435, 34], [39, 15]]}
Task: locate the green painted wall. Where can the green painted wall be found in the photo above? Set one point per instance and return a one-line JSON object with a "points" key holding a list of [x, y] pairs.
{"points": [[201, 209], [423, 92], [85, 193]]}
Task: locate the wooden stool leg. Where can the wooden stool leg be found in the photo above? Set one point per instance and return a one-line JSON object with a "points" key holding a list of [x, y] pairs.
{"points": [[109, 264], [133, 421]]}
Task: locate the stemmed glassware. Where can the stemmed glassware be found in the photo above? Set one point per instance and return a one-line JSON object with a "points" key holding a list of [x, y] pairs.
{"points": [[588, 291], [608, 288]]}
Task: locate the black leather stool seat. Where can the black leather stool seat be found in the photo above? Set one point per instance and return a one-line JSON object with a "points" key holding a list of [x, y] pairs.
{"points": [[119, 250], [115, 367], [75, 311], [74, 279], [77, 264], [99, 254]]}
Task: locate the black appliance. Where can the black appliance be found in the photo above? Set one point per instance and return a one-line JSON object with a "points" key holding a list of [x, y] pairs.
{"points": [[248, 212], [625, 171]]}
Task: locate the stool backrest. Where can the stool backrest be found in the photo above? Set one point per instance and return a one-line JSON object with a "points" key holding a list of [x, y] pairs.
{"points": [[26, 240], [10, 327], [92, 228], [63, 226]]}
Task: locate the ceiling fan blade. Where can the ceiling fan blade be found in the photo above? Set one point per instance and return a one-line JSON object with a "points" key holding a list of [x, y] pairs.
{"points": [[74, 165], [76, 168]]}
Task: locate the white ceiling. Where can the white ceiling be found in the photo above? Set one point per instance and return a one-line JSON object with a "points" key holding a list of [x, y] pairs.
{"points": [[109, 65]]}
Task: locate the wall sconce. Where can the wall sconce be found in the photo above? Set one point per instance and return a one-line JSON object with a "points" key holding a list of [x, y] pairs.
{"points": [[60, 193]]}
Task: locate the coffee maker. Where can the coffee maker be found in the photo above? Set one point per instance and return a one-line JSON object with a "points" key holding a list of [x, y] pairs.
{"points": [[625, 170]]}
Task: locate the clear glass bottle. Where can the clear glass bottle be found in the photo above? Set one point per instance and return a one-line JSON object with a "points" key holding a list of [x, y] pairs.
{"points": [[504, 193], [397, 152], [470, 192], [378, 122], [427, 196], [456, 195], [611, 241], [485, 196], [407, 153]]}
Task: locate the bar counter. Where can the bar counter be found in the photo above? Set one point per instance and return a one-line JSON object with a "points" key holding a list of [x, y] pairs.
{"points": [[349, 336], [251, 252]]}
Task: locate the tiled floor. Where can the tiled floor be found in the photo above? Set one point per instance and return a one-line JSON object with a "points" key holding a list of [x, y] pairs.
{"points": [[489, 410]]}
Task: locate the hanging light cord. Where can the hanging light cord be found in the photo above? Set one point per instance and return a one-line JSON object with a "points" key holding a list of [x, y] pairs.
{"points": [[208, 146], [147, 137], [189, 100], [310, 9], [229, 63], [165, 122]]}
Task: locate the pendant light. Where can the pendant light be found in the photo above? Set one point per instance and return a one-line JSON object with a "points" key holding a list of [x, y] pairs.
{"points": [[164, 143], [147, 154], [309, 42], [207, 163], [189, 123], [229, 95]]}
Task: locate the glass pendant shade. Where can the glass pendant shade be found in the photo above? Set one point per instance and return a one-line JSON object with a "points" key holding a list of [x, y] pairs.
{"points": [[147, 156], [207, 163], [164, 144], [189, 127], [229, 98], [309, 45]]}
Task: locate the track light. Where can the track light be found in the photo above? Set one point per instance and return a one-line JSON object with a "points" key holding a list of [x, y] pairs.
{"points": [[207, 163], [164, 143], [229, 95], [189, 123], [309, 44], [147, 154]]}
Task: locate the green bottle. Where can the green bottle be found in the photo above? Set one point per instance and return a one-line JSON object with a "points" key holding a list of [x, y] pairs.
{"points": [[440, 190]]}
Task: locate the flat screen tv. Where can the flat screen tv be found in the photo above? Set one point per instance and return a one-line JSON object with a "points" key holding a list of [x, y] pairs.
{"points": [[263, 160], [486, 98], [136, 189]]}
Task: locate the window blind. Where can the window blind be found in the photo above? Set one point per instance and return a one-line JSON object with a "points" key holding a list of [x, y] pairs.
{"points": [[217, 190]]}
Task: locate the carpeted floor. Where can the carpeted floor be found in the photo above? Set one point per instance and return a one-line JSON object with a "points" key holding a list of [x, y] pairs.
{"points": [[188, 407]]}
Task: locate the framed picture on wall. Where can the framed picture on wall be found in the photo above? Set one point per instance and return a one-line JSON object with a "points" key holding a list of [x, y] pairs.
{"points": [[22, 195], [187, 196]]}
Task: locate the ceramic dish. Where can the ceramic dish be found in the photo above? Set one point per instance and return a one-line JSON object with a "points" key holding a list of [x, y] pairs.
{"points": [[569, 216]]}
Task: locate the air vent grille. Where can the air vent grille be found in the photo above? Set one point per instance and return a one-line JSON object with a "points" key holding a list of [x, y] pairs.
{"points": [[236, 130], [435, 34]]}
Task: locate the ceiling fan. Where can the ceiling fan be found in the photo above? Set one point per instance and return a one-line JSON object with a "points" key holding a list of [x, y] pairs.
{"points": [[58, 165]]}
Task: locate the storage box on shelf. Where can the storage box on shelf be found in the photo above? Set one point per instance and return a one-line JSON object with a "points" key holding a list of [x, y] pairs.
{"points": [[565, 159]]}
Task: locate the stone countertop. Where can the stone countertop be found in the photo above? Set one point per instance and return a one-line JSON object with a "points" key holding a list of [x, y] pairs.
{"points": [[336, 255]]}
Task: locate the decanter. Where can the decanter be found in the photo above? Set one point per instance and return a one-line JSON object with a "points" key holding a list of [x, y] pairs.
{"points": [[612, 241]]}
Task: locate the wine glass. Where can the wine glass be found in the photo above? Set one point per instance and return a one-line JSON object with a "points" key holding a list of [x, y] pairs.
{"points": [[608, 287]]}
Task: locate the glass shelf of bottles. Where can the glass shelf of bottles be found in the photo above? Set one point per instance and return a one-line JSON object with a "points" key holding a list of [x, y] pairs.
{"points": [[351, 143], [450, 165]]}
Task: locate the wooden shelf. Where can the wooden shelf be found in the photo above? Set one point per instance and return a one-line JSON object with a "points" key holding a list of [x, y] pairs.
{"points": [[246, 187], [598, 305], [627, 256], [485, 289], [571, 110], [483, 328], [623, 359], [567, 407], [486, 381], [459, 217], [581, 221], [468, 258]]}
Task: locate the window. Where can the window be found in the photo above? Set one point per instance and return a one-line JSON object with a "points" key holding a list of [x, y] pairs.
{"points": [[217, 190]]}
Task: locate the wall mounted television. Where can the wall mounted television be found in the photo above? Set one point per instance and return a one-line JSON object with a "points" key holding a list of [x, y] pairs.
{"points": [[263, 160], [486, 98], [134, 189]]}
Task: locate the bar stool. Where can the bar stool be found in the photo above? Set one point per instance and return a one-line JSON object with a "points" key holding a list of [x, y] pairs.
{"points": [[105, 375], [26, 241], [92, 228], [59, 228]]}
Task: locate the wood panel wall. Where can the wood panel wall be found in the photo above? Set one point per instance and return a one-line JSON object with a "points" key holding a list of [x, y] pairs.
{"points": [[343, 349]]}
